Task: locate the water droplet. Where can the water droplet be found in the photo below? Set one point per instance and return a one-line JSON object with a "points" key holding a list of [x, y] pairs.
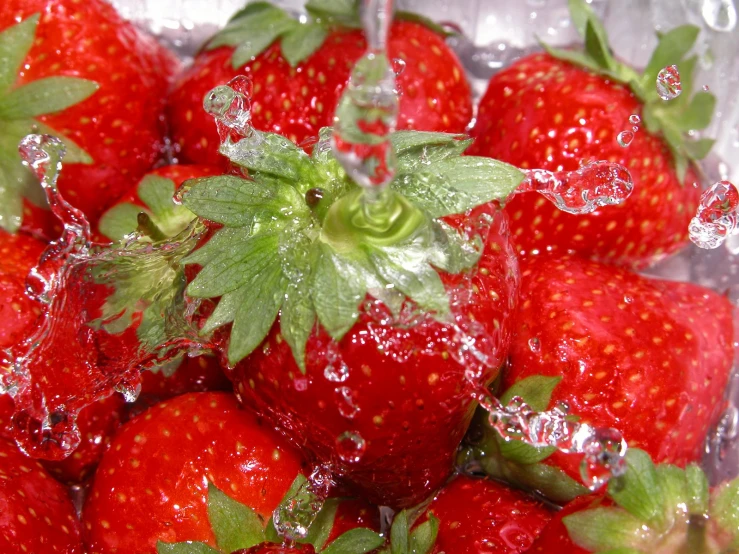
{"points": [[535, 345], [231, 104], [595, 184], [350, 446], [668, 83], [345, 402], [716, 217], [634, 119], [706, 88], [624, 138], [604, 451], [399, 66], [129, 391], [719, 15], [336, 371]]}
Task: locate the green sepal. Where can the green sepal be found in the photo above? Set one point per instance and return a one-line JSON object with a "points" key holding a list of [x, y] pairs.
{"points": [[400, 541], [298, 44], [273, 155], [120, 220], [234, 525], [355, 541], [187, 547], [536, 391], [673, 45], [297, 315], [638, 491], [602, 529], [698, 490], [344, 13], [423, 537], [45, 96], [725, 507], [15, 43]]}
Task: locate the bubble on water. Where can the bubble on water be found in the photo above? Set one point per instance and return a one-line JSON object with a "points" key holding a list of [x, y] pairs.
{"points": [[595, 184], [625, 137], [719, 15], [345, 402], [634, 119], [716, 217], [294, 516], [603, 450], [668, 83], [336, 371], [350, 446], [535, 345]]}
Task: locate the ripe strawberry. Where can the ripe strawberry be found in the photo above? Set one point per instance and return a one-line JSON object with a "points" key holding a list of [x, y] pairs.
{"points": [[77, 70], [154, 196], [300, 70], [152, 484], [480, 515], [18, 254], [649, 509], [650, 358], [554, 110], [37, 514]]}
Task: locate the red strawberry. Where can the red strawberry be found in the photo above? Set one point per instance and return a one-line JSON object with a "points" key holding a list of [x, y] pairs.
{"points": [[298, 79], [18, 254], [37, 514], [649, 509], [77, 70], [152, 484], [650, 358], [479, 515], [554, 110]]}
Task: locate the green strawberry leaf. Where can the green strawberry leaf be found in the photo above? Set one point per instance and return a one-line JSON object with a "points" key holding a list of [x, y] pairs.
{"points": [[320, 529], [725, 507], [75, 154], [337, 288], [400, 542], [298, 316], [273, 155], [335, 12], [423, 537], [596, 44], [698, 490], [415, 150], [298, 44], [271, 532], [698, 114], [638, 491], [604, 529], [11, 202], [250, 9], [457, 184], [520, 452], [120, 220], [699, 149], [45, 96], [674, 487], [536, 391], [188, 547], [15, 43], [673, 45], [355, 541], [235, 525]]}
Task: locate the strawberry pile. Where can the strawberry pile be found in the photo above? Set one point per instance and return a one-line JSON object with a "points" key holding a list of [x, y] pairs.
{"points": [[234, 345]]}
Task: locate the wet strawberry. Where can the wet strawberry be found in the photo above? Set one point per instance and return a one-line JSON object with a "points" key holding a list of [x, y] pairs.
{"points": [[37, 514], [479, 515], [298, 79], [558, 109], [77, 70], [650, 358], [153, 482]]}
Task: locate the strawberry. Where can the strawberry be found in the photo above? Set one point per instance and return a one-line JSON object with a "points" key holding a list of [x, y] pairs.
{"points": [[77, 70], [649, 509], [154, 197], [650, 358], [18, 254], [153, 482], [37, 514], [480, 515], [556, 109], [299, 71], [385, 378]]}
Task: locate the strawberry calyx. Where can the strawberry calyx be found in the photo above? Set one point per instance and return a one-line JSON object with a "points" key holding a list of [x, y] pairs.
{"points": [[674, 119], [660, 509], [314, 256], [255, 27], [407, 538], [237, 527], [20, 107], [515, 461]]}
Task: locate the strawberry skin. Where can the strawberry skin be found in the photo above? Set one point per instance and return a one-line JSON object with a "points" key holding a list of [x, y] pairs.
{"points": [[120, 125], [554, 538], [37, 514], [480, 515], [648, 357], [152, 482], [297, 102], [545, 113], [413, 398], [18, 255]]}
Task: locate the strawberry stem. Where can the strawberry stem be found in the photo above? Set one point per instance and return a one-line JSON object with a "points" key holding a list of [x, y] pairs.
{"points": [[147, 227]]}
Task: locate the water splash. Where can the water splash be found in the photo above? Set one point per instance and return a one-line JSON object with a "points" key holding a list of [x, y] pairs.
{"points": [[603, 449], [594, 185], [716, 217], [296, 514], [719, 15], [668, 83], [367, 112], [350, 446]]}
